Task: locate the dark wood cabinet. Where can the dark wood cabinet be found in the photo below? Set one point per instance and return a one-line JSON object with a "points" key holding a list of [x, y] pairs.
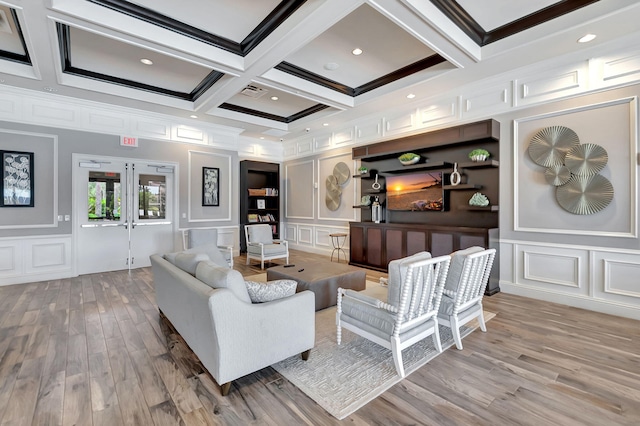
{"points": [[406, 232], [259, 196]]}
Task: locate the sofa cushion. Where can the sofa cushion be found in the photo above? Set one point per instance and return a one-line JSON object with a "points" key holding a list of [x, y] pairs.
{"points": [[269, 249], [217, 276], [189, 261], [456, 266], [397, 270], [272, 290]]}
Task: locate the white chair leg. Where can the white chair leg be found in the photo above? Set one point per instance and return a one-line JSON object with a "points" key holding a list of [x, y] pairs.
{"points": [[397, 356], [455, 330], [436, 340], [483, 326]]}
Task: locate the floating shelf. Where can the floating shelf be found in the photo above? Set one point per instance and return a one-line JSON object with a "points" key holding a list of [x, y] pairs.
{"points": [[362, 175], [461, 186], [361, 207], [491, 208], [374, 191], [419, 166], [479, 164]]}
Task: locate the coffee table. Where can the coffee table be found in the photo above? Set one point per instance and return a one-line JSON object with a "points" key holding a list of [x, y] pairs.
{"points": [[322, 278]]}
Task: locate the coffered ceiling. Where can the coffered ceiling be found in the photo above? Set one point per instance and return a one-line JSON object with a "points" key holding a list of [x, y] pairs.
{"points": [[275, 68]]}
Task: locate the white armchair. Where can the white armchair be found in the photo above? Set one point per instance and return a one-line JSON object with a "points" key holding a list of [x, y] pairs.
{"points": [[398, 324], [204, 236], [261, 245], [464, 289]]}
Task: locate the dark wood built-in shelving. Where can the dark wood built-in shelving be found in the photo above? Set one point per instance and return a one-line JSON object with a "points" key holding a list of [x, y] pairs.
{"points": [[257, 175], [462, 186], [418, 167]]}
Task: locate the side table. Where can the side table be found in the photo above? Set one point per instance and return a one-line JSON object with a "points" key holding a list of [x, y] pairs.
{"points": [[337, 241]]}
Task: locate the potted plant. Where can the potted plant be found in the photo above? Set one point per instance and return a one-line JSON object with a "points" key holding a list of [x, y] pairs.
{"points": [[409, 158], [362, 170], [479, 154]]}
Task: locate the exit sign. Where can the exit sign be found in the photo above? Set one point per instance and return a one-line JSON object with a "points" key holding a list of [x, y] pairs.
{"points": [[129, 141]]}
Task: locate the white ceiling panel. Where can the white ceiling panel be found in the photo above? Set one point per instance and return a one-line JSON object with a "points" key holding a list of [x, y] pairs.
{"points": [[97, 53], [9, 36], [233, 20], [386, 47], [285, 105]]}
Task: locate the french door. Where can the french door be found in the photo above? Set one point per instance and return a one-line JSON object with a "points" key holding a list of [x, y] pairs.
{"points": [[123, 212]]}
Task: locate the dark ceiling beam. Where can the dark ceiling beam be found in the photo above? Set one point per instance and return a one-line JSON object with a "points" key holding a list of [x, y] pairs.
{"points": [[403, 72], [295, 70], [13, 56], [64, 42], [277, 16], [471, 28], [281, 119]]}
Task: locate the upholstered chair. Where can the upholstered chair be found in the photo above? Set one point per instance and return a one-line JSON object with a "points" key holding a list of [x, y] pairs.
{"points": [[402, 322], [261, 245], [466, 282], [198, 237]]}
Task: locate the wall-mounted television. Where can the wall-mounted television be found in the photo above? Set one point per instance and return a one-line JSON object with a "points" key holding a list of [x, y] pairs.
{"points": [[415, 192]]}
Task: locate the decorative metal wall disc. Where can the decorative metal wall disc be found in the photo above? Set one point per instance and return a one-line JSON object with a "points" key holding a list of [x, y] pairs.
{"points": [[550, 145], [332, 185], [586, 160], [585, 194], [557, 175], [332, 200], [341, 172]]}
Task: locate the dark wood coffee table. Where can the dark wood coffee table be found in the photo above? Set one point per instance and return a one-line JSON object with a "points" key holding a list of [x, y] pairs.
{"points": [[322, 278]]}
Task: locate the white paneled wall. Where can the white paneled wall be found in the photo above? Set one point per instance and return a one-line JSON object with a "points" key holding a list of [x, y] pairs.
{"points": [[594, 278], [313, 238], [28, 259]]}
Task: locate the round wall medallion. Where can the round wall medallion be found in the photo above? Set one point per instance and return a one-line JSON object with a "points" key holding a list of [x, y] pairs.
{"points": [[586, 160], [557, 175], [332, 201], [550, 145], [585, 194], [332, 185], [341, 172]]}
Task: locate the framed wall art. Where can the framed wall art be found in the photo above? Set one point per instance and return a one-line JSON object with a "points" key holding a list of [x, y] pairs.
{"points": [[210, 186], [17, 179]]}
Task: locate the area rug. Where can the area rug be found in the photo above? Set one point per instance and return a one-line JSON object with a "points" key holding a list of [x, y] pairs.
{"points": [[342, 379]]}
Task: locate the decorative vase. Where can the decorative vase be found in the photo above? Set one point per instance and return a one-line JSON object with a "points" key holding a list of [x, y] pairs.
{"points": [[478, 158], [410, 162]]}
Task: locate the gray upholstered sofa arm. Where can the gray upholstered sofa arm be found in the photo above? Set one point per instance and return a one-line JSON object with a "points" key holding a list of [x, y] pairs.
{"points": [[254, 336]]}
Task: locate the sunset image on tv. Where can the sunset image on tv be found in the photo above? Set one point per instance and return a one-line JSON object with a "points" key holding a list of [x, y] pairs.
{"points": [[415, 192]]}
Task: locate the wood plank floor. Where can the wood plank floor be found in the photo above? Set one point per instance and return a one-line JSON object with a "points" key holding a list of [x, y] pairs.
{"points": [[93, 350]]}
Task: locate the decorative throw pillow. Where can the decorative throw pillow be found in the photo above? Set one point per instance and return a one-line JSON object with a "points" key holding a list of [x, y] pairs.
{"points": [[189, 261], [272, 290], [216, 276]]}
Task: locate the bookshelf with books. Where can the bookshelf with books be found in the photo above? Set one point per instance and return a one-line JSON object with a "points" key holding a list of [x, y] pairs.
{"points": [[259, 196]]}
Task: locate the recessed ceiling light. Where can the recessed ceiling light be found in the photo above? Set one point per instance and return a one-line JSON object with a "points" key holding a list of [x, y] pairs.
{"points": [[331, 66], [274, 98], [411, 96], [261, 137], [325, 124], [146, 61], [586, 38], [193, 116], [357, 51]]}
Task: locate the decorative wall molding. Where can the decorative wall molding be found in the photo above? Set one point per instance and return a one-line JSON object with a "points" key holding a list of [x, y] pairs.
{"points": [[228, 179], [541, 83], [313, 238], [51, 183], [30, 259], [289, 179], [628, 190], [602, 279]]}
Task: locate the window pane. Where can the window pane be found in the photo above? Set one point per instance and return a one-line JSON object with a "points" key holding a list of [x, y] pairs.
{"points": [[152, 193], [104, 192]]}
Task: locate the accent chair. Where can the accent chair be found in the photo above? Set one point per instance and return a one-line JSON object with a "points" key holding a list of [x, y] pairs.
{"points": [[204, 236], [466, 282], [402, 322], [261, 245]]}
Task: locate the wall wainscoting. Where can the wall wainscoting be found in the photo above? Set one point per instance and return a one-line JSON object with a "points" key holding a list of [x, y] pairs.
{"points": [[595, 278], [29, 259], [313, 238]]}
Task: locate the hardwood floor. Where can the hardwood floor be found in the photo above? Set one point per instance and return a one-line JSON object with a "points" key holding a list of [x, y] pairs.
{"points": [[93, 350]]}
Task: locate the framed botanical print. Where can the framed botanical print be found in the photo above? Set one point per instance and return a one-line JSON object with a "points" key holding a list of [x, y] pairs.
{"points": [[17, 179], [210, 186]]}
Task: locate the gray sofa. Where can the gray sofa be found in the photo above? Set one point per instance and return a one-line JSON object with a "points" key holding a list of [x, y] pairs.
{"points": [[208, 304]]}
